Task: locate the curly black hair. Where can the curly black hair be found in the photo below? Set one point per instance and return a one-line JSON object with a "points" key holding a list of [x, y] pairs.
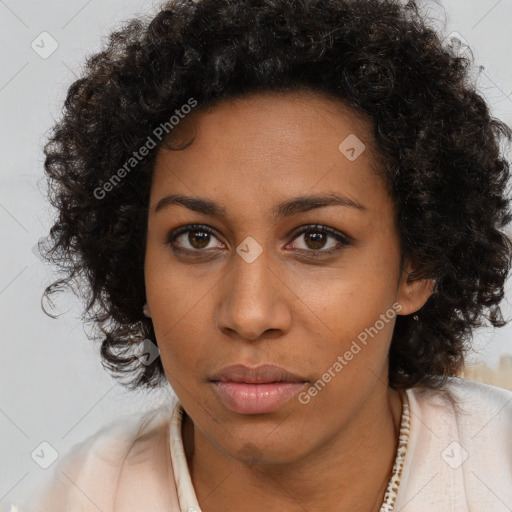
{"points": [[439, 143]]}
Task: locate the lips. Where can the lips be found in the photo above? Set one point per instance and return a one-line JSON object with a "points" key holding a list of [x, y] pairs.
{"points": [[258, 390], [259, 375]]}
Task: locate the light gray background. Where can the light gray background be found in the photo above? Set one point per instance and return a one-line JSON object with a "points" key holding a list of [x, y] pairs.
{"points": [[53, 387]]}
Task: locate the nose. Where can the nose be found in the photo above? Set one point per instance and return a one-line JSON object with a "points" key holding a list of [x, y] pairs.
{"points": [[253, 300]]}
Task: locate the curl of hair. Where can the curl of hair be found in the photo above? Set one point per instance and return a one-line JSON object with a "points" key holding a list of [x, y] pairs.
{"points": [[439, 145]]}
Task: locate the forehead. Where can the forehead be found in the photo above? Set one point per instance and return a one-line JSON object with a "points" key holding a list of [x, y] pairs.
{"points": [[274, 118], [271, 144]]}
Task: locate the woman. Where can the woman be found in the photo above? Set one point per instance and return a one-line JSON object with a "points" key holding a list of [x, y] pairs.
{"points": [[293, 213]]}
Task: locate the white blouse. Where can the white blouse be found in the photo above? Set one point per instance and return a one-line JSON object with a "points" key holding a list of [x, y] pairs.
{"points": [[457, 457]]}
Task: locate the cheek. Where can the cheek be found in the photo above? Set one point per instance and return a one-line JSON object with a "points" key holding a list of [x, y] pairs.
{"points": [[351, 311], [364, 286], [353, 324], [348, 352], [173, 300], [171, 293]]}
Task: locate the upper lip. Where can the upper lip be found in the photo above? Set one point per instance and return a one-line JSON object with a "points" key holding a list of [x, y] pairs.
{"points": [[258, 375]]}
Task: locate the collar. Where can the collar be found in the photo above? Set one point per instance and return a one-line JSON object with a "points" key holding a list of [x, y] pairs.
{"points": [[185, 489], [186, 493]]}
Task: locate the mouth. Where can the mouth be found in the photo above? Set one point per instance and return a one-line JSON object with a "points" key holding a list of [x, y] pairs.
{"points": [[258, 390]]}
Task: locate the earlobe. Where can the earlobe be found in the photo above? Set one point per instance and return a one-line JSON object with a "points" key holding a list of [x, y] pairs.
{"points": [[412, 295]]}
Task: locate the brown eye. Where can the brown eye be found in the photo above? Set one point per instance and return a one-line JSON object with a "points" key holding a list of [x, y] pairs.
{"points": [[192, 238], [198, 239], [316, 240]]}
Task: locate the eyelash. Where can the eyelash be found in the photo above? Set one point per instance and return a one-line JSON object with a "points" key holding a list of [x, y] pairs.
{"points": [[316, 228]]}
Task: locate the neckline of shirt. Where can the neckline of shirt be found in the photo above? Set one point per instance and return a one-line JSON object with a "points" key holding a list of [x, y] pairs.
{"points": [[186, 493]]}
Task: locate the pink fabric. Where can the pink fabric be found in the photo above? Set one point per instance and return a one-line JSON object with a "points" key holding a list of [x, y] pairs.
{"points": [[458, 459], [126, 467]]}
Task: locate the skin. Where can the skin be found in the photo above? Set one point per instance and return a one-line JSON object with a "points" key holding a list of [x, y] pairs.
{"points": [[285, 308]]}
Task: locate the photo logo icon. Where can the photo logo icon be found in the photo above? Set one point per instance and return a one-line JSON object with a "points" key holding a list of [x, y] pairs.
{"points": [[249, 249], [149, 352], [44, 45], [352, 147], [456, 44], [454, 455], [44, 455]]}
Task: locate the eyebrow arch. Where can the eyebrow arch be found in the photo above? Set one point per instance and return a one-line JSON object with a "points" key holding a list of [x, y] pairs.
{"points": [[287, 208]]}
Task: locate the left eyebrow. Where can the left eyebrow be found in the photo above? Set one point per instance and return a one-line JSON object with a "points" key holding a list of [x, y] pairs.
{"points": [[306, 203], [287, 208]]}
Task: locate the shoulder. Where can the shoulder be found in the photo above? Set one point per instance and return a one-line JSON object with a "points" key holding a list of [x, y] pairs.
{"points": [[476, 415], [472, 404], [459, 451], [90, 475]]}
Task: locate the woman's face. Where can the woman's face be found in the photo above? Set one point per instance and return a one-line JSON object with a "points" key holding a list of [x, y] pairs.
{"points": [[311, 286]]}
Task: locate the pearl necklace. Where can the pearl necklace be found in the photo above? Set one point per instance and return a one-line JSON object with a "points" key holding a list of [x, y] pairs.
{"points": [[396, 473]]}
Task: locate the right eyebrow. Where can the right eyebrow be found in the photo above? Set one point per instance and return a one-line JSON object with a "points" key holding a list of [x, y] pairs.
{"points": [[192, 203]]}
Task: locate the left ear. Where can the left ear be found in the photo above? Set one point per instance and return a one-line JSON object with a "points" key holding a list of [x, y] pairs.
{"points": [[412, 295]]}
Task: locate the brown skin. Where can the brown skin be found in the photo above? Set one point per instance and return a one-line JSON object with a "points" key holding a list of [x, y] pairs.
{"points": [[336, 452]]}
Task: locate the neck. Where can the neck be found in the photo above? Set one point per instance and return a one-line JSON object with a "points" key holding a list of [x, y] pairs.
{"points": [[349, 472]]}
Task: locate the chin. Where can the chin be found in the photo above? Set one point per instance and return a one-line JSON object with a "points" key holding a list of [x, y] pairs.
{"points": [[258, 449]]}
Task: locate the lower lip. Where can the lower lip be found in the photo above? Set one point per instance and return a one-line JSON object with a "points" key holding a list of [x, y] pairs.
{"points": [[247, 398]]}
